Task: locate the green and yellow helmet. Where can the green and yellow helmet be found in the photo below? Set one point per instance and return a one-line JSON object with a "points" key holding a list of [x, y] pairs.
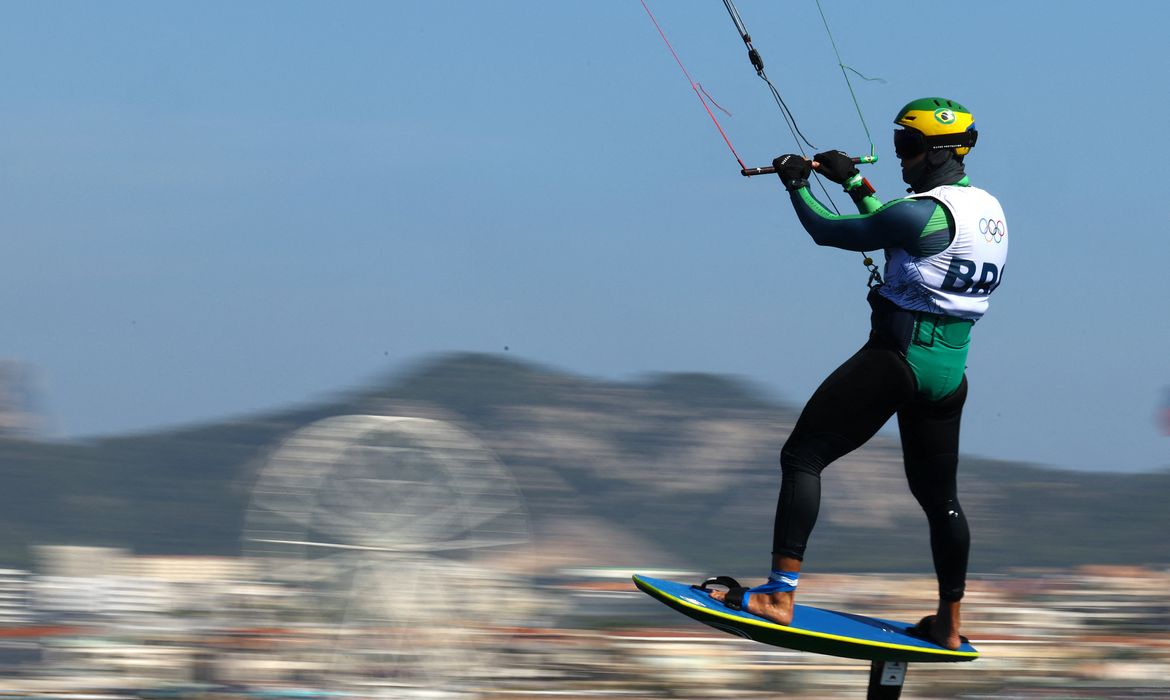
{"points": [[934, 123]]}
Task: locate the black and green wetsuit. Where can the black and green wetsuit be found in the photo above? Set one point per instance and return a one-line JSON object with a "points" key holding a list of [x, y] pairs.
{"points": [[912, 366]]}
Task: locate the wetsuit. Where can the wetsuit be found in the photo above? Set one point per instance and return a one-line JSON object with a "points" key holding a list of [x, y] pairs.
{"points": [[945, 253]]}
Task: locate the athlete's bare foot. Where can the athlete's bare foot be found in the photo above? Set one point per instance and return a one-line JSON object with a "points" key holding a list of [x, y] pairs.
{"points": [[776, 607], [943, 627]]}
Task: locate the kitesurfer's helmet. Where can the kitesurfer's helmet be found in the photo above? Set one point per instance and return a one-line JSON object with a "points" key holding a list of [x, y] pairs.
{"points": [[934, 123]]}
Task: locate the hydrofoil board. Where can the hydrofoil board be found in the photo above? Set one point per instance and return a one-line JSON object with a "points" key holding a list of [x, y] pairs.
{"points": [[814, 630]]}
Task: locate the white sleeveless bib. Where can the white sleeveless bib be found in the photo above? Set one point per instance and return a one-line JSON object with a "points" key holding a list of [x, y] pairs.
{"points": [[958, 281]]}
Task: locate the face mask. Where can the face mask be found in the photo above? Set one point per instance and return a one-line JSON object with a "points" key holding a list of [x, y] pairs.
{"points": [[914, 173], [940, 167]]}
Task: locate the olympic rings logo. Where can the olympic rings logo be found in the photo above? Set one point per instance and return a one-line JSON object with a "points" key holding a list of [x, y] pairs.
{"points": [[992, 230]]}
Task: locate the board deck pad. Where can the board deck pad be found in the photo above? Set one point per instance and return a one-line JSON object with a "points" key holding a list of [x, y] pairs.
{"points": [[813, 629]]}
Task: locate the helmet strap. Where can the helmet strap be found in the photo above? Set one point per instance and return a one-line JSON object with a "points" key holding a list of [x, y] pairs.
{"points": [[965, 139]]}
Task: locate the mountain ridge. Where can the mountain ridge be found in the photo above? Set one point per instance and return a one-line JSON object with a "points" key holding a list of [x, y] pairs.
{"points": [[682, 464]]}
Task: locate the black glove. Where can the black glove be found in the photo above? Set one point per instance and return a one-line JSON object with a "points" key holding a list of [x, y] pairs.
{"points": [[793, 171], [836, 166]]}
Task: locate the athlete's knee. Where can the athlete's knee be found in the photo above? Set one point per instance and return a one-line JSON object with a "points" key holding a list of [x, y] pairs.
{"points": [[932, 478], [801, 457], [947, 514]]}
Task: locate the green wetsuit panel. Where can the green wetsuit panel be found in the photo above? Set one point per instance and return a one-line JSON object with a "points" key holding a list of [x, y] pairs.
{"points": [[937, 353]]}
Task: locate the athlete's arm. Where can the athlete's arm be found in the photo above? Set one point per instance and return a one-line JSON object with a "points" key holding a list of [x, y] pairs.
{"points": [[920, 226]]}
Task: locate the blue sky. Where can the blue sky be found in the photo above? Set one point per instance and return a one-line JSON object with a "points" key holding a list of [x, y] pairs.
{"points": [[214, 208]]}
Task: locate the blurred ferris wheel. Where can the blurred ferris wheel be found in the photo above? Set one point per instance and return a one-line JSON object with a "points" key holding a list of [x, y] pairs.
{"points": [[390, 526]]}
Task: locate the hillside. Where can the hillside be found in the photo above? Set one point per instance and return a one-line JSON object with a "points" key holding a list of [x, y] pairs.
{"points": [[611, 474]]}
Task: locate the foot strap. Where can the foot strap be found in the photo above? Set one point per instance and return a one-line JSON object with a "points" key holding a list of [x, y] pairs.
{"points": [[735, 592], [778, 582], [737, 595]]}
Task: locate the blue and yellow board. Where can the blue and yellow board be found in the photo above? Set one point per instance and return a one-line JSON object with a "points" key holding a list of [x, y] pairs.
{"points": [[813, 629]]}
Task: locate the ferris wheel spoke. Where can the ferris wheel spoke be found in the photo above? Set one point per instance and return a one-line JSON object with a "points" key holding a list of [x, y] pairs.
{"points": [[363, 514]]}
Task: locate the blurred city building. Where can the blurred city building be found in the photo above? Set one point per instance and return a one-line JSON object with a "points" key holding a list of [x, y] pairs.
{"points": [[144, 626]]}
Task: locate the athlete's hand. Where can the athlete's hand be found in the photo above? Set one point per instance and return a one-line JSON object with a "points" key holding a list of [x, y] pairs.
{"points": [[835, 165], [793, 171]]}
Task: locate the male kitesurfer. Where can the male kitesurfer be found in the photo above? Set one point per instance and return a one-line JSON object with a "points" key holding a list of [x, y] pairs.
{"points": [[945, 248]]}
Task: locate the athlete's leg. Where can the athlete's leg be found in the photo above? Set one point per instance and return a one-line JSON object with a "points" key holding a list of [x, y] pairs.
{"points": [[930, 446], [852, 404]]}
